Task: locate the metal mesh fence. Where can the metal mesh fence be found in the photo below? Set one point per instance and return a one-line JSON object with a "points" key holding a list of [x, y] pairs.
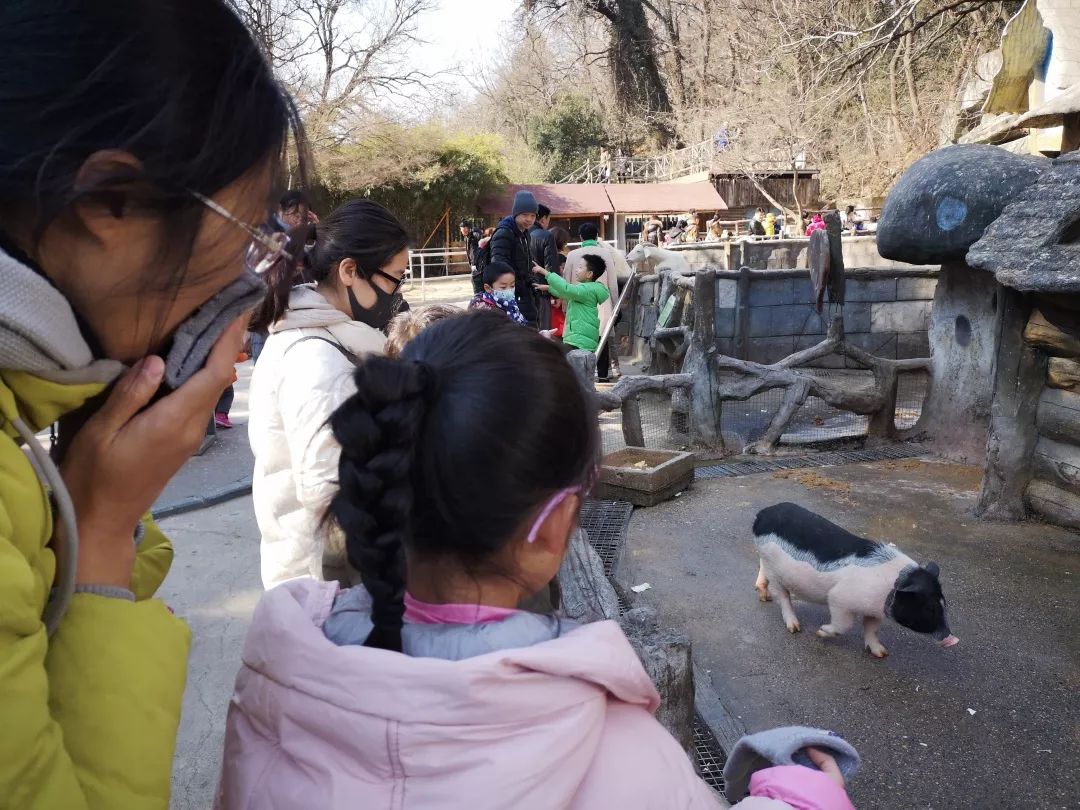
{"points": [[665, 420]]}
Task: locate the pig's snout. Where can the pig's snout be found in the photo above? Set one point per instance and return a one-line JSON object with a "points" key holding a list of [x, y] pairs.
{"points": [[950, 641]]}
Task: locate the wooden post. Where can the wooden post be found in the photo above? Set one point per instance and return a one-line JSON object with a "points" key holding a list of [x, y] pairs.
{"points": [[704, 403], [446, 243], [1019, 373], [741, 341], [584, 363], [632, 431], [666, 657], [883, 422]]}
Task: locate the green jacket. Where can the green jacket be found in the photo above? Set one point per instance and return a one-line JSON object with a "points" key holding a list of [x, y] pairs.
{"points": [[582, 330], [90, 714]]}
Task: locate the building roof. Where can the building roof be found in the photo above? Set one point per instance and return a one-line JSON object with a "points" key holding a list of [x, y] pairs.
{"points": [[664, 198], [564, 199], [594, 199], [1034, 246]]}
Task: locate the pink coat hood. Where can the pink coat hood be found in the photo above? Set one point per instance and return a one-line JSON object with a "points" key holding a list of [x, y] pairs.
{"points": [[563, 723]]}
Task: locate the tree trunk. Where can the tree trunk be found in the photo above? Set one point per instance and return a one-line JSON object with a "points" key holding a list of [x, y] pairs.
{"points": [[909, 77], [1019, 371], [635, 67], [704, 403], [963, 333]]}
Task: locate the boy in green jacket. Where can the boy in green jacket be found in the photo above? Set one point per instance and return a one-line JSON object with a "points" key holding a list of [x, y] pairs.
{"points": [[582, 330]]}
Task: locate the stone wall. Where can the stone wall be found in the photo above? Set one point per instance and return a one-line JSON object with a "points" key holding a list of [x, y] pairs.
{"points": [[765, 315], [778, 254]]}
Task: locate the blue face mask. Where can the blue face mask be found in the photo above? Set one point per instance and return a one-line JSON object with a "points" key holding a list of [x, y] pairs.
{"points": [[503, 295]]}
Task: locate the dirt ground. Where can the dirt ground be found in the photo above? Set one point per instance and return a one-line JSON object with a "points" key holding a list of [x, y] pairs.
{"points": [[991, 723]]}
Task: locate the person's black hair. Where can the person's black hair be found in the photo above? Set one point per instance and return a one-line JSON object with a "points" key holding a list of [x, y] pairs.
{"points": [[588, 231], [181, 86], [293, 198], [542, 211], [561, 237], [496, 269], [360, 230], [850, 208], [464, 224], [420, 473], [596, 264], [562, 260]]}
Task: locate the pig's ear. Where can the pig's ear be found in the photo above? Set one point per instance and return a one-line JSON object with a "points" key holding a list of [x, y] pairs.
{"points": [[932, 567]]}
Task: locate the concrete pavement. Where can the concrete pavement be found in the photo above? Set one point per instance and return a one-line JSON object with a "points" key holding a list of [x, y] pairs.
{"points": [[214, 585], [224, 468], [990, 723]]}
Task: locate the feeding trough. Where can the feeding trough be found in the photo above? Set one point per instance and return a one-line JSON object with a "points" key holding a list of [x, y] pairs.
{"points": [[645, 477]]}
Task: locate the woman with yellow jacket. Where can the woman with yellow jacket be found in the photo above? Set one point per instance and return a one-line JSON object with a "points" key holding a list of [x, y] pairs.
{"points": [[139, 143]]}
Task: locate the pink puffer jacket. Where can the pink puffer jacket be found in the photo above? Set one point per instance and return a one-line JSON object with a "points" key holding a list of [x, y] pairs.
{"points": [[565, 723]]}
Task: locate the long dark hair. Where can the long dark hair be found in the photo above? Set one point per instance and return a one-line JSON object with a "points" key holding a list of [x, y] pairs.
{"points": [[181, 86], [436, 459], [360, 230], [561, 236]]}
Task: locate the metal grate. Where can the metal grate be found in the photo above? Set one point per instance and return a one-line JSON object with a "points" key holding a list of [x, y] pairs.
{"points": [[818, 460], [605, 522], [710, 757]]}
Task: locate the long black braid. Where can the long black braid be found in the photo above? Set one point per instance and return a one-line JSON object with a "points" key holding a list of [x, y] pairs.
{"points": [[377, 429]]}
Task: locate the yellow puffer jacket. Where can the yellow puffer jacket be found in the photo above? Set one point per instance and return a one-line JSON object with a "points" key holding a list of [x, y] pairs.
{"points": [[89, 715]]}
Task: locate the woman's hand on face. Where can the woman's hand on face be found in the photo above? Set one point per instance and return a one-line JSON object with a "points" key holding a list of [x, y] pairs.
{"points": [[122, 458], [826, 764]]}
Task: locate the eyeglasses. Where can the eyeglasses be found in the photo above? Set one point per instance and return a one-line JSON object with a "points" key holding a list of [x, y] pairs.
{"points": [[269, 242]]}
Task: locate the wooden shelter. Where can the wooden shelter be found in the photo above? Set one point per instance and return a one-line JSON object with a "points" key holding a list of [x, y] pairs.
{"points": [[610, 206], [743, 195], [1033, 251]]}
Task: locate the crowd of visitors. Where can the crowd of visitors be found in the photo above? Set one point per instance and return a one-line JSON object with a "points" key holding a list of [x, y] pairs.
{"points": [[418, 475]]}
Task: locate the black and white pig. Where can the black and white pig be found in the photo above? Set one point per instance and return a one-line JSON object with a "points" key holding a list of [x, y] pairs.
{"points": [[805, 555]]}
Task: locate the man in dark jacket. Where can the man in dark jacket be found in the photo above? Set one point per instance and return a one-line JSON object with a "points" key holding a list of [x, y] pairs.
{"points": [[510, 244], [544, 253], [472, 238]]}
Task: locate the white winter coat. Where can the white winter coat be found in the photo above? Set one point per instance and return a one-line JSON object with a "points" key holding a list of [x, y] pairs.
{"points": [[294, 389]]}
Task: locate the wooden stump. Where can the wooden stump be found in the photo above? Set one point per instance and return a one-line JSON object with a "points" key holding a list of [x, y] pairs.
{"points": [[665, 654], [587, 595]]}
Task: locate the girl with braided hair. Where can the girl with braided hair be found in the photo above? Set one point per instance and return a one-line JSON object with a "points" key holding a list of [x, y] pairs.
{"points": [[426, 686]]}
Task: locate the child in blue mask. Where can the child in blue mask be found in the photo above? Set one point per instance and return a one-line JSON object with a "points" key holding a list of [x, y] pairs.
{"points": [[498, 292]]}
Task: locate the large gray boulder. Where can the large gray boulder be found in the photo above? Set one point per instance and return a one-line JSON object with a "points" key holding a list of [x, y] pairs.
{"points": [[945, 201]]}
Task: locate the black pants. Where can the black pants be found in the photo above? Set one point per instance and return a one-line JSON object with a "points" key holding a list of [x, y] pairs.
{"points": [[603, 361], [543, 311]]}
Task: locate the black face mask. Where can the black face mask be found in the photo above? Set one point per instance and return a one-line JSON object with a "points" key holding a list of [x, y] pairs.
{"points": [[385, 307]]}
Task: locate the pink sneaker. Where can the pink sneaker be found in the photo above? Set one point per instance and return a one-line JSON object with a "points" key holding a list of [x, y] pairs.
{"points": [[221, 420]]}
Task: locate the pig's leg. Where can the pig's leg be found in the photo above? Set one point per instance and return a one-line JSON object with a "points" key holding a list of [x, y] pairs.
{"points": [[788, 611], [871, 625], [762, 583], [840, 621]]}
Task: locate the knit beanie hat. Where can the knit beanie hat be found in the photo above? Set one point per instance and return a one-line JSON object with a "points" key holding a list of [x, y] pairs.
{"points": [[783, 746], [524, 203]]}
